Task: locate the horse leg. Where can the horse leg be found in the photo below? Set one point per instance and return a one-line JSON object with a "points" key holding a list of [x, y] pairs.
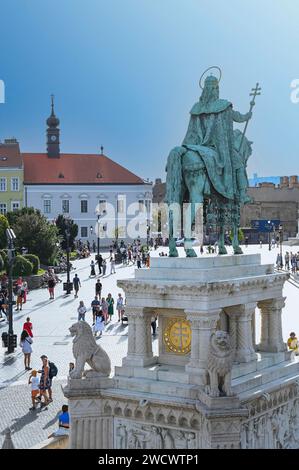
{"points": [[221, 246], [173, 252], [235, 243], [190, 253]]}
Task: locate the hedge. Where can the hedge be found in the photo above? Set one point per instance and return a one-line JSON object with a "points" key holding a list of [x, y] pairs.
{"points": [[35, 262], [21, 267]]}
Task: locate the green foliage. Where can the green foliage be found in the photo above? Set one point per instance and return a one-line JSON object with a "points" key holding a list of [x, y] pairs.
{"points": [[1, 263], [3, 254], [21, 267], [62, 223], [240, 235], [34, 232], [35, 262], [3, 226]]}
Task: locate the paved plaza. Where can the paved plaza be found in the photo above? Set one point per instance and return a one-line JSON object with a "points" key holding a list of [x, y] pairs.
{"points": [[51, 320]]}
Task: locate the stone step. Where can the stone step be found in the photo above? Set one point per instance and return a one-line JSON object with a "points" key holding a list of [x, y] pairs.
{"points": [[176, 389], [205, 261], [205, 274], [264, 360], [268, 387], [265, 376]]}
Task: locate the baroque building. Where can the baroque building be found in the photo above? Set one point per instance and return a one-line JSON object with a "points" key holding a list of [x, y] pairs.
{"points": [[78, 185]]}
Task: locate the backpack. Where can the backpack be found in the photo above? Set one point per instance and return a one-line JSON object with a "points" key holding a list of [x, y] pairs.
{"points": [[53, 371]]}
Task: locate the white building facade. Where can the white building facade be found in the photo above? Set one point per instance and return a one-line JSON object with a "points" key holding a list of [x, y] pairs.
{"points": [[128, 208]]}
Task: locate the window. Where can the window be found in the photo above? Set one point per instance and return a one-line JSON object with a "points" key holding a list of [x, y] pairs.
{"points": [[102, 205], [47, 206], [15, 184], [2, 184], [84, 207], [84, 232], [65, 206], [3, 208], [15, 205], [121, 204]]}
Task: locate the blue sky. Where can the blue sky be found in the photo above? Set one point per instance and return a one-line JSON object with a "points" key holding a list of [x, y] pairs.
{"points": [[125, 74]]}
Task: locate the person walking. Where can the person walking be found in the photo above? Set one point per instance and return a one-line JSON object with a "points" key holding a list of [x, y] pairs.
{"points": [[98, 288], [104, 266], [95, 306], [25, 343], [154, 324], [110, 302], [99, 324], [119, 306], [77, 285], [138, 261], [51, 286], [104, 308], [45, 383], [287, 260], [99, 259], [81, 311], [28, 327], [19, 299], [24, 289], [34, 381], [92, 269], [94, 248], [112, 265]]}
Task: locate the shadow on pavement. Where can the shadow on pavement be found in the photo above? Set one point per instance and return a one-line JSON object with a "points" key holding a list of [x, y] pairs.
{"points": [[20, 423], [52, 421]]}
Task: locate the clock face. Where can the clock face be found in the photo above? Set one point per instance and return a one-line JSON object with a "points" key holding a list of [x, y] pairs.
{"points": [[53, 138]]}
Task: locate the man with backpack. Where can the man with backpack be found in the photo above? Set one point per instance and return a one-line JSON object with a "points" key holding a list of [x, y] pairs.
{"points": [[77, 284], [53, 371]]}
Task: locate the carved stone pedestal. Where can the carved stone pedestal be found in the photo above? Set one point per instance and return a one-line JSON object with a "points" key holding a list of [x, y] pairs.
{"points": [[163, 402]]}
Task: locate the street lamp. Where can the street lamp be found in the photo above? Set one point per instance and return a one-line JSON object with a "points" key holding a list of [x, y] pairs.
{"points": [[68, 285], [280, 243], [269, 228], [10, 340], [99, 216]]}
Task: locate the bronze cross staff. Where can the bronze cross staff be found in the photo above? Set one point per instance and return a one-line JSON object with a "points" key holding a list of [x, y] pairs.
{"points": [[255, 92]]}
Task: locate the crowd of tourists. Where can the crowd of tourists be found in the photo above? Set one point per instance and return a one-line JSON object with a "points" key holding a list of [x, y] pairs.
{"points": [[290, 261]]}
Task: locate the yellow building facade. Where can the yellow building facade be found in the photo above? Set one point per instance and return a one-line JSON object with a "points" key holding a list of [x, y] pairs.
{"points": [[11, 176]]}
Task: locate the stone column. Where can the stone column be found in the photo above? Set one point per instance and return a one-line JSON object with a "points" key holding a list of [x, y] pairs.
{"points": [[202, 326], [139, 338], [241, 324], [271, 334]]}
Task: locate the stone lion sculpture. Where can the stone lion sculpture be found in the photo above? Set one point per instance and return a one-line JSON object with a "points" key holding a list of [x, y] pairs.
{"points": [[220, 363], [85, 349]]}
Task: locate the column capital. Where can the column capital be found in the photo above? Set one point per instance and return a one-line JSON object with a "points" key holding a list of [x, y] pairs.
{"points": [[269, 305], [242, 310], [203, 319]]}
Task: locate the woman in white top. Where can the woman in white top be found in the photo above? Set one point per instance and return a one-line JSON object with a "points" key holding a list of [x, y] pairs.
{"points": [[25, 344], [120, 306], [81, 311], [99, 323]]}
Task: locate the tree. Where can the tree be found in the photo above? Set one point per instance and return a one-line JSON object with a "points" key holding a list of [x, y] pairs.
{"points": [[3, 226], [34, 232], [62, 223]]}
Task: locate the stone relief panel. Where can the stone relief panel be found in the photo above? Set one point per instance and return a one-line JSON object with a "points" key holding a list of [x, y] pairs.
{"points": [[132, 435], [276, 429]]}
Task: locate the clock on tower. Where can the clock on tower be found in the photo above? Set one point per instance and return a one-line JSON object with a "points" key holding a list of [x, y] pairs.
{"points": [[53, 132]]}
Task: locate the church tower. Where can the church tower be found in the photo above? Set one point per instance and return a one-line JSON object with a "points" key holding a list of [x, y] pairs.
{"points": [[53, 133]]}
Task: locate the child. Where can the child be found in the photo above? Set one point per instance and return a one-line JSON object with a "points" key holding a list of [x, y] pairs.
{"points": [[99, 323], [34, 381], [28, 327]]}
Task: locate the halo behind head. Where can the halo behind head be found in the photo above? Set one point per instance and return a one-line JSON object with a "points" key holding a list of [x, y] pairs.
{"points": [[203, 77]]}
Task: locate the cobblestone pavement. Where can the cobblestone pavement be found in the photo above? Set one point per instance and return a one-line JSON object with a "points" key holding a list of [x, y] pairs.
{"points": [[51, 320]]}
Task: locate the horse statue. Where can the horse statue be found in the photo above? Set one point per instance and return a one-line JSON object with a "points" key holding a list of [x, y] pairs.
{"points": [[209, 168]]}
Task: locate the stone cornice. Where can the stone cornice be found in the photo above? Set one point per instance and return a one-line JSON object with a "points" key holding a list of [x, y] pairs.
{"points": [[162, 288]]}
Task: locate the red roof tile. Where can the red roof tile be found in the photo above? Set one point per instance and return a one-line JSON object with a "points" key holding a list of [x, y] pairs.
{"points": [[10, 155], [75, 169]]}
